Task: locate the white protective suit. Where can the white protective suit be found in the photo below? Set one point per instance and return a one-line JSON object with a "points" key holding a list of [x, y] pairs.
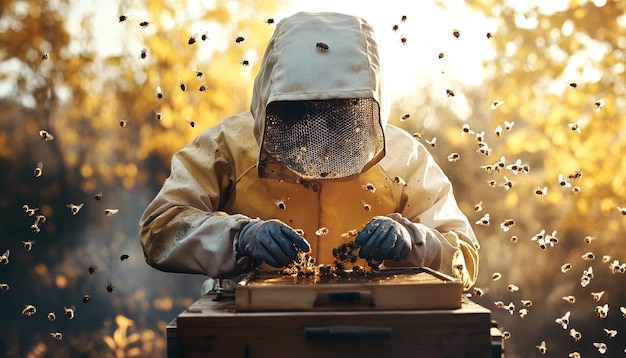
{"points": [[214, 188]]}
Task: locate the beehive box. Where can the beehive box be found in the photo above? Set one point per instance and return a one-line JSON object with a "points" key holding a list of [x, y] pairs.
{"points": [[390, 289]]}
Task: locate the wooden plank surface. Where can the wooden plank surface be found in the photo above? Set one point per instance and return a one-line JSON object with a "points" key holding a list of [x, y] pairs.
{"points": [[210, 328]]}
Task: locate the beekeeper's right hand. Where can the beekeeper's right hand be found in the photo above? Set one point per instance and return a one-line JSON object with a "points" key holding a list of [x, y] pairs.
{"points": [[271, 241]]}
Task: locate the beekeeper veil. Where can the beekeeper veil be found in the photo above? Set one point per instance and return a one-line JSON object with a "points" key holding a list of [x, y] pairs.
{"points": [[317, 99]]}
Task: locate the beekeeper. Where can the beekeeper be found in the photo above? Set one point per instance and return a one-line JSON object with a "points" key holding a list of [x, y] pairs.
{"points": [[313, 163]]}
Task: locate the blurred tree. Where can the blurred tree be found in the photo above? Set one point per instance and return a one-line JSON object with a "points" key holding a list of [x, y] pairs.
{"points": [[90, 81]]}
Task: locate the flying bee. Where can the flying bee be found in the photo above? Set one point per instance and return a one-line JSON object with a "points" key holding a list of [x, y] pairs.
{"points": [[478, 292], [144, 24], [563, 182], [45, 135], [51, 316], [124, 257], [122, 18], [182, 85], [191, 122], [158, 115], [245, 63], [589, 239], [143, 54], [564, 320], [573, 84], [92, 269], [566, 267], [45, 56], [523, 312], [622, 210], [506, 335], [576, 174], [69, 311], [611, 333], [499, 304], [588, 256], [98, 196], [508, 184], [507, 224], [403, 18], [280, 203], [199, 73], [417, 135], [28, 210], [28, 245], [86, 298], [576, 335], [527, 303], [492, 183], [441, 55], [366, 206], [321, 231], [203, 87], [575, 126], [597, 296], [110, 212], [398, 180], [601, 347], [569, 299], [623, 310], [299, 232], [38, 170], [602, 311], [204, 36], [465, 129], [478, 207], [369, 187], [29, 310], [74, 209], [449, 92], [56, 335], [508, 125], [239, 39], [514, 239], [123, 123], [456, 33], [484, 221], [110, 287], [403, 40], [321, 46], [4, 287], [496, 276], [576, 189], [405, 117], [496, 104], [4, 259], [453, 157], [432, 142], [599, 104], [159, 93], [489, 35], [395, 28], [192, 39], [541, 191], [510, 307], [498, 131], [512, 288], [270, 21]]}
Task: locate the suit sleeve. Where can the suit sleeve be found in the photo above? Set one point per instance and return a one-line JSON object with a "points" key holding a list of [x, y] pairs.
{"points": [[442, 236], [181, 230]]}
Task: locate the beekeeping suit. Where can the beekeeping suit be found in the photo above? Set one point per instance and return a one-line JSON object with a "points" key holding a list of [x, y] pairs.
{"points": [[315, 154]]}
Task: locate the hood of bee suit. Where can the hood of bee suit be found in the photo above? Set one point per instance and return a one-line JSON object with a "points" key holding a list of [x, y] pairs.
{"points": [[317, 57]]}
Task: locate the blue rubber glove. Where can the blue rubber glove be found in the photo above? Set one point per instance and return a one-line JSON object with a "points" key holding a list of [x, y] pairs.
{"points": [[384, 239], [270, 241]]}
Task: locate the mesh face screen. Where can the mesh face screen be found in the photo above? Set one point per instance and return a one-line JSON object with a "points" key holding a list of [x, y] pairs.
{"points": [[322, 139]]}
